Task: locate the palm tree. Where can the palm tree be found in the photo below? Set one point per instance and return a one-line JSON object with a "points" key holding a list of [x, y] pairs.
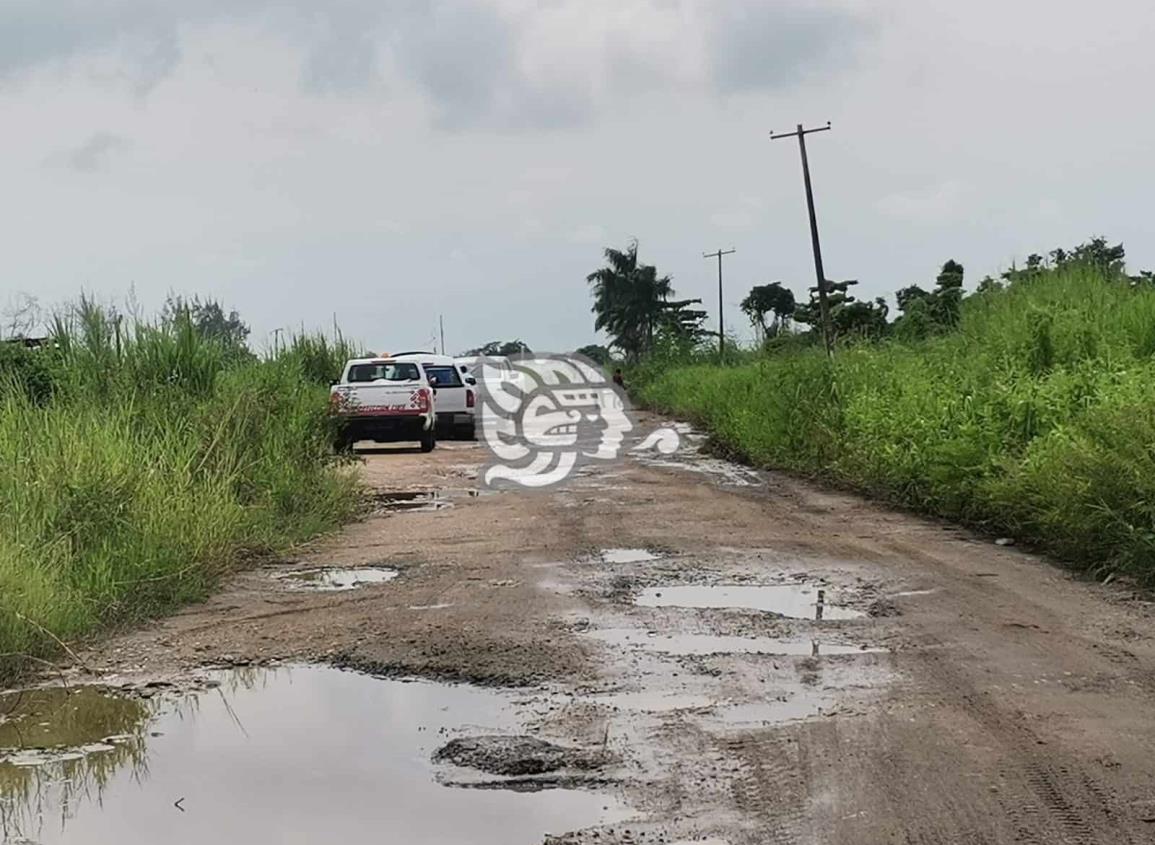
{"points": [[629, 300]]}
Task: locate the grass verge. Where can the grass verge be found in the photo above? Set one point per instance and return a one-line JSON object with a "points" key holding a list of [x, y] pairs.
{"points": [[1034, 418], [137, 470]]}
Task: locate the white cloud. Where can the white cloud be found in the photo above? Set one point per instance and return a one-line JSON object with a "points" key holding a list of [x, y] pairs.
{"points": [[91, 156], [935, 203], [504, 64], [590, 233]]}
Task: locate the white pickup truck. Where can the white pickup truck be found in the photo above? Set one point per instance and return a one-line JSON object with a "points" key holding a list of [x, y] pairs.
{"points": [[386, 401]]}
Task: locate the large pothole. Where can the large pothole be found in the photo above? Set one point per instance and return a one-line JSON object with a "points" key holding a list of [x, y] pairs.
{"points": [[303, 754]]}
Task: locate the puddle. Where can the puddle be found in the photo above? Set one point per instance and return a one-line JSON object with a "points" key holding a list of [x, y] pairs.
{"points": [[63, 725], [797, 601], [627, 555], [717, 644], [790, 708], [691, 458], [423, 500], [304, 754], [339, 579]]}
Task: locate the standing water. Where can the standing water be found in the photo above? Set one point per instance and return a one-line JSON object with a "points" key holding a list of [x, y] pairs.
{"points": [[301, 755], [798, 601]]}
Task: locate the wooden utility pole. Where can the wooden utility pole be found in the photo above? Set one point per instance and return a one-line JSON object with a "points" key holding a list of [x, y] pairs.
{"points": [[721, 333], [823, 305]]}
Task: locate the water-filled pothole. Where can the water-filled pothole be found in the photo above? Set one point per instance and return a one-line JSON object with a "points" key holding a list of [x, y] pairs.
{"points": [[330, 579], [797, 601], [697, 644], [692, 457], [627, 555], [408, 500], [304, 754]]}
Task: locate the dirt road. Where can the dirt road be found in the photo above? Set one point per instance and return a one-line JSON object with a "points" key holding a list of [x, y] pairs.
{"points": [[953, 690]]}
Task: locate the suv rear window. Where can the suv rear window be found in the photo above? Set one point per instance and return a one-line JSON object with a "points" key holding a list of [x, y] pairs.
{"points": [[447, 376], [400, 371]]}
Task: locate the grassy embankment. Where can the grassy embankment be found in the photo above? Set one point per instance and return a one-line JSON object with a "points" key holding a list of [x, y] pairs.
{"points": [[136, 470], [1034, 418]]}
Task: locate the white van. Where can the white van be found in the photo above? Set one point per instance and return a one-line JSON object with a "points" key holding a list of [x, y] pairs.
{"points": [[455, 390]]}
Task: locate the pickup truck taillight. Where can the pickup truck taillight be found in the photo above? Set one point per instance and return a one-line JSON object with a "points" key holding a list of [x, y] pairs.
{"points": [[423, 399], [470, 401]]}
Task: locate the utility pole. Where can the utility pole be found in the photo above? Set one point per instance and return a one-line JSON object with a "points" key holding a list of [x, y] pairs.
{"points": [[441, 322], [721, 333], [277, 342], [823, 305]]}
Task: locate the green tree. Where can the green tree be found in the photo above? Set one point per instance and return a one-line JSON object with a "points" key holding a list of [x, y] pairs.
{"points": [[848, 316], [1095, 253], [773, 298], [948, 294], [500, 347], [632, 303], [597, 353], [926, 312], [907, 296], [210, 321]]}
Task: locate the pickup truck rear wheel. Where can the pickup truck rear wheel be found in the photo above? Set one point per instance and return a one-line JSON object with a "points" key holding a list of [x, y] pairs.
{"points": [[428, 441]]}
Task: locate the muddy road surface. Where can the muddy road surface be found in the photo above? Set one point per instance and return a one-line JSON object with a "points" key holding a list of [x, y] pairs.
{"points": [[665, 650]]}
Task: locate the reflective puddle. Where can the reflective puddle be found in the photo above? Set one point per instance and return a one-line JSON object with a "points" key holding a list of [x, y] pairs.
{"points": [[338, 579], [718, 644], [797, 601], [627, 555], [63, 726], [422, 500], [690, 457], [304, 754]]}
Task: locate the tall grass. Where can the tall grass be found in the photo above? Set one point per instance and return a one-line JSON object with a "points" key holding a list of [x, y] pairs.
{"points": [[138, 466], [1035, 418]]}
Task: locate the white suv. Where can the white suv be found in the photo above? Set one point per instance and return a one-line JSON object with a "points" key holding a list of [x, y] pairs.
{"points": [[456, 392]]}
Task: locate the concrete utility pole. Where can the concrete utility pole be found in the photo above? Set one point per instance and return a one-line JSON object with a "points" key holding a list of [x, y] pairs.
{"points": [[721, 333], [441, 321], [823, 305]]}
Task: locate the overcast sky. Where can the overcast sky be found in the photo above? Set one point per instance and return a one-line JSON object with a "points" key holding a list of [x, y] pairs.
{"points": [[386, 161]]}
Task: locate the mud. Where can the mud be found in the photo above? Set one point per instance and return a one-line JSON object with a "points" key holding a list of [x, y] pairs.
{"points": [[997, 700], [516, 755]]}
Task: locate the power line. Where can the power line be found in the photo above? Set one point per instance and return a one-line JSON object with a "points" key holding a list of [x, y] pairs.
{"points": [[721, 333], [823, 305]]}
